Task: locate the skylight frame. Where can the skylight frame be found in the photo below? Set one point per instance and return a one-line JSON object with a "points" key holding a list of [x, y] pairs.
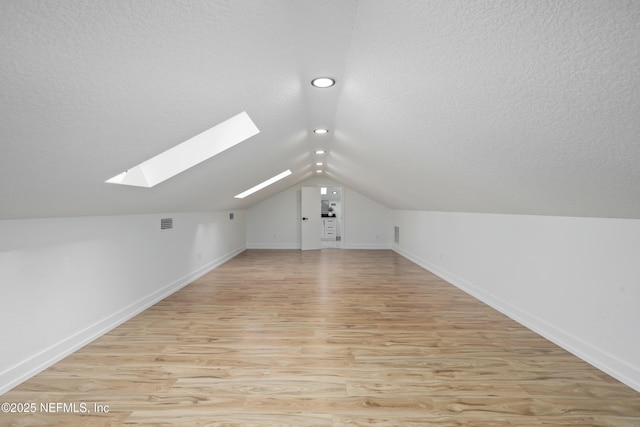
{"points": [[189, 153]]}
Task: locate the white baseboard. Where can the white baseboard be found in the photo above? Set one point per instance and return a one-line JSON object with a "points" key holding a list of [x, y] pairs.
{"points": [[619, 369], [40, 361], [273, 246], [373, 246], [297, 246]]}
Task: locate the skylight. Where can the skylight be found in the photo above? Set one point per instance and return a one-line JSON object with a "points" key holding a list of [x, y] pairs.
{"points": [[263, 184], [189, 153]]}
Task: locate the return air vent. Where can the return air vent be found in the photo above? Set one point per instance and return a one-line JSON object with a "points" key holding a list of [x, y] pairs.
{"points": [[396, 234], [166, 223]]}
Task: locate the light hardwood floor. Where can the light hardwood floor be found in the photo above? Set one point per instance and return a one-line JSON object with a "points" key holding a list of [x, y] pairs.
{"points": [[325, 338]]}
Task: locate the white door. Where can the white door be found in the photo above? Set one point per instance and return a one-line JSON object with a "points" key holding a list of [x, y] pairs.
{"points": [[311, 222]]}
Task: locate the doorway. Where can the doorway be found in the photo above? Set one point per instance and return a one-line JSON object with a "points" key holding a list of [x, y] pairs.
{"points": [[322, 217], [331, 211]]}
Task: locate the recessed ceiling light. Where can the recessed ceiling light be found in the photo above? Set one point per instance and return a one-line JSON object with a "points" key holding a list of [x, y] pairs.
{"points": [[319, 164], [323, 82], [189, 153], [321, 131], [263, 184], [320, 151], [319, 171]]}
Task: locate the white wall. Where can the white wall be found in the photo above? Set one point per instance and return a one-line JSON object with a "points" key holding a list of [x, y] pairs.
{"points": [[66, 281], [575, 281], [367, 224], [275, 222]]}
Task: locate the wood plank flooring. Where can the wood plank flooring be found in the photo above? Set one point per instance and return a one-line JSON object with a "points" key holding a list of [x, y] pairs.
{"points": [[323, 338]]}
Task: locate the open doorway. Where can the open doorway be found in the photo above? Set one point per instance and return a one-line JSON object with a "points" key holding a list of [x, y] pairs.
{"points": [[331, 210]]}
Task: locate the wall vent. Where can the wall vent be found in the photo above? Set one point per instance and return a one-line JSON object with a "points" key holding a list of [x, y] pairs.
{"points": [[166, 223], [231, 216], [396, 234]]}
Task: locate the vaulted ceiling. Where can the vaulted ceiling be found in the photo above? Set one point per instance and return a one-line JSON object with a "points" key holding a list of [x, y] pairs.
{"points": [[476, 106]]}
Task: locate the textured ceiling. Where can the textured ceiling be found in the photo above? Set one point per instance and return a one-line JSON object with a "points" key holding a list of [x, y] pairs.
{"points": [[488, 106]]}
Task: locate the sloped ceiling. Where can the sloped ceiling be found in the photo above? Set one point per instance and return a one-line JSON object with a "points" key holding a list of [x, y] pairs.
{"points": [[488, 106]]}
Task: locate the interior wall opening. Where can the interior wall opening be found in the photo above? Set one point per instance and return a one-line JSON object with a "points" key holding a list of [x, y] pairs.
{"points": [[332, 214]]}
